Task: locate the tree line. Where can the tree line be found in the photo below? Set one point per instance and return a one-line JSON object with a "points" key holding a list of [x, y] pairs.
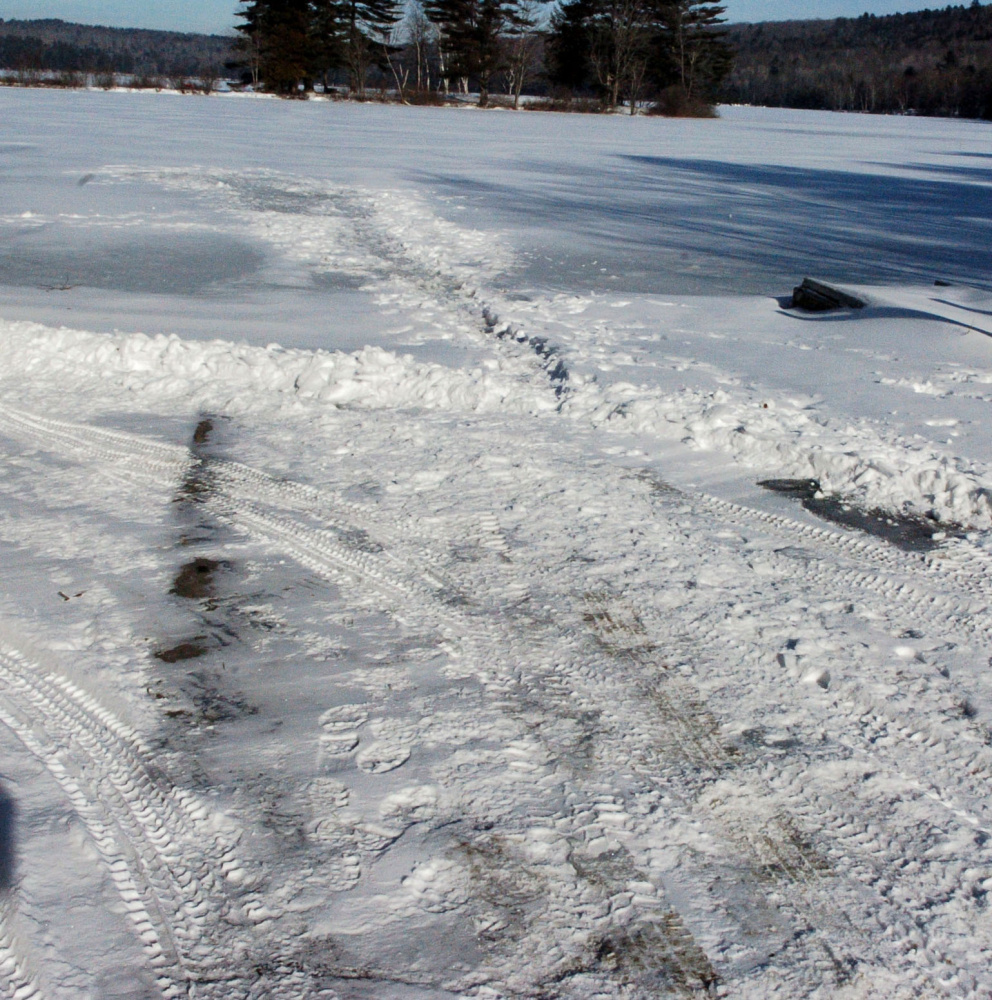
{"points": [[932, 62], [63, 47], [614, 52]]}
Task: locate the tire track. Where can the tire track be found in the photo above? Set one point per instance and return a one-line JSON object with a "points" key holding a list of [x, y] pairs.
{"points": [[773, 839], [162, 854], [151, 457], [668, 750], [681, 725], [567, 679], [947, 565], [17, 982], [968, 767], [946, 617], [964, 776], [171, 464]]}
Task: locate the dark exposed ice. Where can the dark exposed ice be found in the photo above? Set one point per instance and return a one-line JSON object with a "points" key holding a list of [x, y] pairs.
{"points": [[162, 262], [906, 531]]}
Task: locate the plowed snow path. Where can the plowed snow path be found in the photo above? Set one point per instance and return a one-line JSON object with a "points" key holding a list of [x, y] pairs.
{"points": [[681, 769]]}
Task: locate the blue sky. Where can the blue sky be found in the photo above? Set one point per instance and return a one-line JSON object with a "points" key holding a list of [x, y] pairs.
{"points": [[217, 15]]}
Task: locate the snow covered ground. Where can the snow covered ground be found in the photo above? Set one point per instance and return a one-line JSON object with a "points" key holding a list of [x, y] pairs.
{"points": [[390, 607]]}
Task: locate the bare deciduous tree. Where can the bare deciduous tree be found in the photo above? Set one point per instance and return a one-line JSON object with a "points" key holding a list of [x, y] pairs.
{"points": [[522, 50]]}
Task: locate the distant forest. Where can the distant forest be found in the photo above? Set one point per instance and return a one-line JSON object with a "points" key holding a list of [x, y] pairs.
{"points": [[61, 47], [933, 62]]}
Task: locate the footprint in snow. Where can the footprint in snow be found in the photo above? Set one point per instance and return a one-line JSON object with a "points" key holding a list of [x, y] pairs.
{"points": [[383, 756], [340, 727]]}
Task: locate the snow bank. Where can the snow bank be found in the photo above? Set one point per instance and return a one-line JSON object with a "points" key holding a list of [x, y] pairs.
{"points": [[773, 437], [233, 375], [786, 438]]}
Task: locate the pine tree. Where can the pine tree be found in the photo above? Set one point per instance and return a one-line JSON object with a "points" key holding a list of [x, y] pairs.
{"points": [[279, 30], [569, 44], [694, 52], [295, 40], [617, 46], [365, 26], [326, 41], [472, 33]]}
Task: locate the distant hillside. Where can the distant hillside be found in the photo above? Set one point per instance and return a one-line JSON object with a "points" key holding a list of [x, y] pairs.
{"points": [[62, 46], [935, 62]]}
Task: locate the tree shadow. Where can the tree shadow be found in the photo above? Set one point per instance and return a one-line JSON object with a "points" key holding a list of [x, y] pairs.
{"points": [[749, 228]]}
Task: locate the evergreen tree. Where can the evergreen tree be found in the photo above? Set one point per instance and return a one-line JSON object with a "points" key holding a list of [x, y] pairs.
{"points": [[326, 40], [279, 31], [471, 33], [694, 53], [616, 46], [295, 40], [365, 26], [569, 44]]}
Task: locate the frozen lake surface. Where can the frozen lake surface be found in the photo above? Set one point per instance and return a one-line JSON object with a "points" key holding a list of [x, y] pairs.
{"points": [[391, 605]]}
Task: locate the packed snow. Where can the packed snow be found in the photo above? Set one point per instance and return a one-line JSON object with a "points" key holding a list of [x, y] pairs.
{"points": [[438, 563]]}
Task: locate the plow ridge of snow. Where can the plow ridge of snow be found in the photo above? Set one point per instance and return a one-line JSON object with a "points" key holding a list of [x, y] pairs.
{"points": [[220, 375], [370, 377], [662, 732], [846, 458]]}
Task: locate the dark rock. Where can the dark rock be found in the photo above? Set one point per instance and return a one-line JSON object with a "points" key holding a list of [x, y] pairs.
{"points": [[814, 296], [203, 431]]}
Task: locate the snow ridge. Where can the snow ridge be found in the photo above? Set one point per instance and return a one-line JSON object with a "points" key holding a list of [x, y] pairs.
{"points": [[776, 439]]}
